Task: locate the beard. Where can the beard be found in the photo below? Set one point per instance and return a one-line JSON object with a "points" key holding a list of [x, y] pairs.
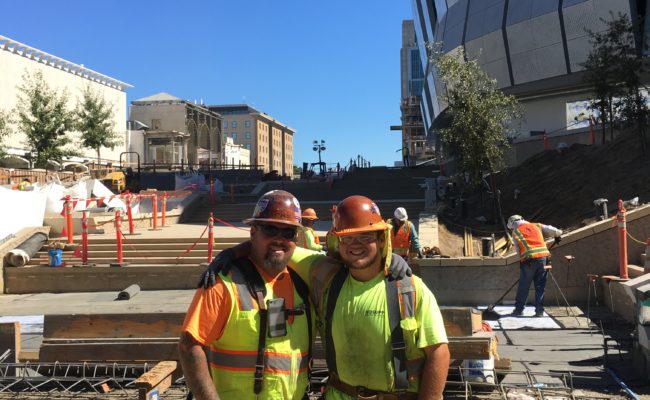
{"points": [[276, 262]]}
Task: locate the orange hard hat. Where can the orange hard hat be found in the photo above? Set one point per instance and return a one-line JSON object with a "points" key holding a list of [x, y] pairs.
{"points": [[276, 206], [309, 213], [357, 214]]}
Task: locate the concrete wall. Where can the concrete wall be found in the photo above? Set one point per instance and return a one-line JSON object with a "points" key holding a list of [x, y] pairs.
{"points": [[12, 68], [481, 281]]}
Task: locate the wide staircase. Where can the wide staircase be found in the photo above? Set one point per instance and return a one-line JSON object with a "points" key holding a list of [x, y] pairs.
{"points": [[388, 187]]}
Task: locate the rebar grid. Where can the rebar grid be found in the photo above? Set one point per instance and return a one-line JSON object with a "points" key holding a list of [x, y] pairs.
{"points": [[72, 378]]}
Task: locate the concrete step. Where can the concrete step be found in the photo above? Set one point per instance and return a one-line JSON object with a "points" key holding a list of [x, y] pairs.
{"points": [[156, 246], [136, 252], [191, 260]]}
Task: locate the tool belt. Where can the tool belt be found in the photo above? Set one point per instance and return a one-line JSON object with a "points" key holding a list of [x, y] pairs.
{"points": [[362, 393]]}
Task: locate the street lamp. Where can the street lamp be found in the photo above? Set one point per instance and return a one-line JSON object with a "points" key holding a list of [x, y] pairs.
{"points": [[320, 146]]}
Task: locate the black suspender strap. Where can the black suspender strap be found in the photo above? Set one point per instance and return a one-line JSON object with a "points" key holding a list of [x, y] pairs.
{"points": [[332, 296], [303, 292], [257, 289], [396, 335]]}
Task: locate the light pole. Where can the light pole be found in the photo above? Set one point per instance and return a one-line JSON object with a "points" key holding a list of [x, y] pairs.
{"points": [[319, 146]]}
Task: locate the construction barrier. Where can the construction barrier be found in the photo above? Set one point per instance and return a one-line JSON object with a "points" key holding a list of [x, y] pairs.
{"points": [[622, 240], [84, 238], [210, 237], [154, 211], [68, 217], [118, 238], [129, 214], [164, 209]]}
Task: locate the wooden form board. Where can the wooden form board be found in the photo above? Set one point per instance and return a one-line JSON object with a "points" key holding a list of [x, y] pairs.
{"points": [[461, 321], [145, 325]]}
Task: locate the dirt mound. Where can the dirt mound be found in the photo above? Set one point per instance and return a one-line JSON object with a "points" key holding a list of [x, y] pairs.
{"points": [[558, 187]]}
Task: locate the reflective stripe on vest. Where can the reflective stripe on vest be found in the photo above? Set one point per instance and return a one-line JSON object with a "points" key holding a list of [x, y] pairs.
{"points": [[400, 241], [245, 361], [530, 241]]}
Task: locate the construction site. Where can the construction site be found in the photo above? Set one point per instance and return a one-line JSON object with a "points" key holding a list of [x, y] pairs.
{"points": [[105, 323]]}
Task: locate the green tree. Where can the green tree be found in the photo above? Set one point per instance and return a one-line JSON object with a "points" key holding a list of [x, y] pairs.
{"points": [[614, 69], [43, 116], [5, 130], [95, 122], [482, 116]]}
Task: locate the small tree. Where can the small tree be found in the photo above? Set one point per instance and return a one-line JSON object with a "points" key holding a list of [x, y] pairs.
{"points": [[4, 131], [481, 114], [43, 116], [614, 68], [95, 122]]}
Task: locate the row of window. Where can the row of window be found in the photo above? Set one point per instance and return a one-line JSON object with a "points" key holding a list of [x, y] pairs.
{"points": [[233, 124], [233, 135]]}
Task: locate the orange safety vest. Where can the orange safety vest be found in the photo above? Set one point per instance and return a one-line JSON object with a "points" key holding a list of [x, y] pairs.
{"points": [[400, 241], [302, 237], [530, 241]]}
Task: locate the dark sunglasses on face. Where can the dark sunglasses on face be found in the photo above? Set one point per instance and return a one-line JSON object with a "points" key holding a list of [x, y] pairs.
{"points": [[364, 238], [271, 231]]}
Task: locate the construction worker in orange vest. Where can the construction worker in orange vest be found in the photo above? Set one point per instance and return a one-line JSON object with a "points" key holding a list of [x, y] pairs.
{"points": [[403, 235], [307, 237], [533, 253], [331, 240]]}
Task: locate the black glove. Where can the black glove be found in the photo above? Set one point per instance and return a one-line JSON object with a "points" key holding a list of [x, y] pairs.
{"points": [[558, 239], [399, 268], [221, 263]]}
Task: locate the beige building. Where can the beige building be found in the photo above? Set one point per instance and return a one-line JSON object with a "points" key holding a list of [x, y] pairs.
{"points": [[17, 58], [177, 131], [270, 142]]}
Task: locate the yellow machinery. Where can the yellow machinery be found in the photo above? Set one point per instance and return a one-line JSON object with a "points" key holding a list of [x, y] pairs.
{"points": [[116, 181]]}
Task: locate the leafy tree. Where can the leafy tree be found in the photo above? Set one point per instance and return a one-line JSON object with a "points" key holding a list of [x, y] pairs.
{"points": [[43, 116], [4, 130], [613, 69], [95, 122], [482, 116]]}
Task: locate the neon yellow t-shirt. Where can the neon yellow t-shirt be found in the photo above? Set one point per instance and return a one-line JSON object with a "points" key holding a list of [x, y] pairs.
{"points": [[360, 327]]}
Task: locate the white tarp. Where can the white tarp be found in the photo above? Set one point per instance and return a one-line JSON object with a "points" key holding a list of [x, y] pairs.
{"points": [[191, 181], [24, 209], [82, 190]]}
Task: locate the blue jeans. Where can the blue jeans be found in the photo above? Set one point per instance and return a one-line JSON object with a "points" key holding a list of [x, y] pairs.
{"points": [[531, 270]]}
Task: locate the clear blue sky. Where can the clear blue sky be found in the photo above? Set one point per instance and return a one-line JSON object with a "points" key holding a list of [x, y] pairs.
{"points": [[329, 69]]}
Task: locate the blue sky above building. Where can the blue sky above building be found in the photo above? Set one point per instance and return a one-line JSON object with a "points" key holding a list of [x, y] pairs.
{"points": [[328, 69]]}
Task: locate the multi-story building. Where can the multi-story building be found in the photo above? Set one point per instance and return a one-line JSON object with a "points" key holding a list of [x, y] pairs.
{"points": [[177, 131], [533, 49], [412, 77], [270, 142], [18, 59]]}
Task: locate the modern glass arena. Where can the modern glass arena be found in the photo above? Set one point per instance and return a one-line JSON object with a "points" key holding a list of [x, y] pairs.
{"points": [[533, 48]]}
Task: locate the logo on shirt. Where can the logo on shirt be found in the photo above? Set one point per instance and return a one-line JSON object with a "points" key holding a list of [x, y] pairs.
{"points": [[374, 313]]}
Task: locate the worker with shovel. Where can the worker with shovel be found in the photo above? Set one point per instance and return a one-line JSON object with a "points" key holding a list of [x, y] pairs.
{"points": [[533, 253]]}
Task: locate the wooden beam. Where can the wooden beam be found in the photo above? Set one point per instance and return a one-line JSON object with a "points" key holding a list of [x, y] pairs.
{"points": [[10, 340], [461, 321], [156, 381], [109, 350], [146, 325], [475, 347]]}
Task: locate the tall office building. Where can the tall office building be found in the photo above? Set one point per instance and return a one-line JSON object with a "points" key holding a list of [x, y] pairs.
{"points": [[270, 142], [412, 78]]}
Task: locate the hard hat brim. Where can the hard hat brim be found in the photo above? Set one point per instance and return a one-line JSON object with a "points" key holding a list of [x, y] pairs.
{"points": [[380, 226], [253, 221]]}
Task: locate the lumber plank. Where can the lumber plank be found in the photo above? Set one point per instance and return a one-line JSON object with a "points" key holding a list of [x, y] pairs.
{"points": [[109, 350], [113, 325], [10, 340], [155, 381], [475, 347]]}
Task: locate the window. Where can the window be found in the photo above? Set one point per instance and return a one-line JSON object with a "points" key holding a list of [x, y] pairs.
{"points": [[247, 135], [233, 124], [155, 124], [248, 146], [225, 124], [234, 136], [247, 124]]}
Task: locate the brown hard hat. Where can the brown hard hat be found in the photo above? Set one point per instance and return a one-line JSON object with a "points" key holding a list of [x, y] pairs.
{"points": [[309, 213], [276, 206], [357, 214]]}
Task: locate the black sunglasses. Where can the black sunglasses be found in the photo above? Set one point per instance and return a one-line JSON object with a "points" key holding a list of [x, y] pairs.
{"points": [[271, 231]]}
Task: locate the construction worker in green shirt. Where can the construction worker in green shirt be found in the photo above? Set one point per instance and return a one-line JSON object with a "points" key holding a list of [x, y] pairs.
{"points": [[307, 237], [384, 338]]}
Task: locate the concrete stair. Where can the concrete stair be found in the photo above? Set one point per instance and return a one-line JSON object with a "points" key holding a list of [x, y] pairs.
{"points": [[388, 187]]}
